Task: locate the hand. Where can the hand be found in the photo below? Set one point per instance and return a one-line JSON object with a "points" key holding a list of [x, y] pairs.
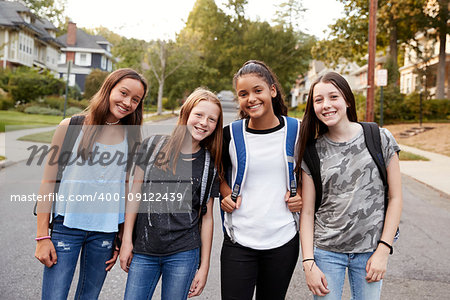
{"points": [[198, 284], [110, 263], [294, 203], [126, 255], [317, 283], [228, 205], [46, 253], [377, 264]]}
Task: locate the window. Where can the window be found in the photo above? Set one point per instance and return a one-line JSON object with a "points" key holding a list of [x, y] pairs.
{"points": [[83, 58], [62, 58], [103, 66]]}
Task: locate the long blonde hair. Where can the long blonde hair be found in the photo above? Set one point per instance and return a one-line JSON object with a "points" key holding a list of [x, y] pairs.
{"points": [[213, 143]]}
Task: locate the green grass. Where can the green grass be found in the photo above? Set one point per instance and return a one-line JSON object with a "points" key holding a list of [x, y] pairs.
{"points": [[41, 137], [13, 118], [405, 155], [155, 118]]}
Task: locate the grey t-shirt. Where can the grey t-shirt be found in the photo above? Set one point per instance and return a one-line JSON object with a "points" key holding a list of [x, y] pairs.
{"points": [[351, 216]]}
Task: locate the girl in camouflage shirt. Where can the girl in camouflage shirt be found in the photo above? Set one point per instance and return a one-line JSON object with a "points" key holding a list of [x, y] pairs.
{"points": [[350, 230]]}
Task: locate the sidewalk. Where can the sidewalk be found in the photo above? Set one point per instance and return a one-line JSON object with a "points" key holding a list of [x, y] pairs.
{"points": [[434, 172]]}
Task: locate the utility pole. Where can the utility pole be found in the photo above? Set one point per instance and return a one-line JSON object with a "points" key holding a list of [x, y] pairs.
{"points": [[371, 62]]}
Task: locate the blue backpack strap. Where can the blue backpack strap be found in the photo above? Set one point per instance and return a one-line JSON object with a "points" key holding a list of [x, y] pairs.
{"points": [[237, 131], [291, 137]]}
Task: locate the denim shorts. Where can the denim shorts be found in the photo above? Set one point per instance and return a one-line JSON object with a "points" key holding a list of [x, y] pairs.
{"points": [[334, 265]]}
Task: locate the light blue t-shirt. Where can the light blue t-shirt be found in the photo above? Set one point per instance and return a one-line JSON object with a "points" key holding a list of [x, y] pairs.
{"points": [[91, 195]]}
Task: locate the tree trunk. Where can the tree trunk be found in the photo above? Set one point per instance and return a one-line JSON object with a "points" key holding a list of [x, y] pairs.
{"points": [[443, 16], [160, 95], [162, 58], [393, 52]]}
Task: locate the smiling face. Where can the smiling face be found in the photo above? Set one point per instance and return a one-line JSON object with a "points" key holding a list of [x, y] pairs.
{"points": [[124, 98], [203, 120], [255, 96], [329, 104]]}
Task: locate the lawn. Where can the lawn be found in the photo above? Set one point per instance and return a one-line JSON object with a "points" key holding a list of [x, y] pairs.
{"points": [[405, 155], [11, 118], [41, 137]]}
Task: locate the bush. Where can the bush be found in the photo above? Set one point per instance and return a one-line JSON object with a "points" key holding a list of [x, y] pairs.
{"points": [[6, 102], [73, 111], [93, 82], [169, 103], [42, 111], [26, 84]]}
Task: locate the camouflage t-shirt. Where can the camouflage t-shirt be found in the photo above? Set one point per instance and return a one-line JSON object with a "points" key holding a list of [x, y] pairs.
{"points": [[350, 218]]}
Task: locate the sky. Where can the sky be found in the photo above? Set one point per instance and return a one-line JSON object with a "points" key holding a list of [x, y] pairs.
{"points": [[162, 19]]}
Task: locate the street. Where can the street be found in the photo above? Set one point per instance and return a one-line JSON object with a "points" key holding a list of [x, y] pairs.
{"points": [[419, 268]]}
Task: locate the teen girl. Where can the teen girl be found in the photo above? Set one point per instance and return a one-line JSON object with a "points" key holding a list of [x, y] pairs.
{"points": [[165, 238], [90, 227], [261, 244], [350, 230]]}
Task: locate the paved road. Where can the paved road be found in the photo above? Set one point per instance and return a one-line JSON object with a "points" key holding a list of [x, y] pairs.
{"points": [[419, 268]]}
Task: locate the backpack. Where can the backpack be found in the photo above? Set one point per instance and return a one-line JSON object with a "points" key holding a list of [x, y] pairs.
{"points": [[154, 145], [237, 130], [64, 157], [373, 143]]}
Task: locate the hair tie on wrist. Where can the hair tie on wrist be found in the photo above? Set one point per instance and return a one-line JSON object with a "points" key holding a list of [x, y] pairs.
{"points": [[391, 249], [42, 238], [309, 259]]}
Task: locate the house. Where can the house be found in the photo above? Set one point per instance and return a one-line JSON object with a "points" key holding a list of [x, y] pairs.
{"points": [[87, 52], [360, 75], [299, 94], [421, 69], [27, 40]]}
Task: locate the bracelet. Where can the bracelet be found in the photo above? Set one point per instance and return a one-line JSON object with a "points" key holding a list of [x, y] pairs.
{"points": [[309, 259], [42, 238], [391, 249]]}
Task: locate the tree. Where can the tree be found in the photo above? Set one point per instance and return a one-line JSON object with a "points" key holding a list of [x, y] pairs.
{"points": [[93, 82], [53, 10], [441, 24], [398, 22], [289, 13], [164, 58]]}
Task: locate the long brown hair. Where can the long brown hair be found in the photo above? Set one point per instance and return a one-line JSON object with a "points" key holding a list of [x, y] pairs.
{"points": [[263, 71], [98, 111], [213, 143], [311, 126]]}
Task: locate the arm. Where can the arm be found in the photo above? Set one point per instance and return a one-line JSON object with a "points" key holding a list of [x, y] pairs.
{"points": [[110, 263], [294, 203], [315, 279], [206, 234], [377, 264], [227, 204], [132, 206], [45, 250]]}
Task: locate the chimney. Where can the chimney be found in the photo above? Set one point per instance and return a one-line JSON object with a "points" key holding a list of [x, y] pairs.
{"points": [[71, 34]]}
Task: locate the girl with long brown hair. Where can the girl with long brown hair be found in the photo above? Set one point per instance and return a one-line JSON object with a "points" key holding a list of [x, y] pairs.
{"points": [[91, 193], [175, 196]]}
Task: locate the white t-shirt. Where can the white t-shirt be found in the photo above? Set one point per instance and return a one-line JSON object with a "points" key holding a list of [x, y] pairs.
{"points": [[263, 221]]}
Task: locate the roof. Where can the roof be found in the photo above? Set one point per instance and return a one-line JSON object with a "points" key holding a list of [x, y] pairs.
{"points": [[85, 40], [10, 17]]}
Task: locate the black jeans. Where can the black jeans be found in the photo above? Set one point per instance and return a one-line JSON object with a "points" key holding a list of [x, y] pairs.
{"points": [[244, 268]]}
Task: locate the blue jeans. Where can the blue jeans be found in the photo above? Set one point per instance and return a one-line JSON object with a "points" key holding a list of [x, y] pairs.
{"points": [[334, 266], [96, 248], [177, 270]]}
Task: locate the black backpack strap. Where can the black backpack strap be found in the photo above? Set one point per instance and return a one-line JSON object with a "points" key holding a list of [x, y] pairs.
{"points": [[64, 155], [373, 144], [312, 160]]}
